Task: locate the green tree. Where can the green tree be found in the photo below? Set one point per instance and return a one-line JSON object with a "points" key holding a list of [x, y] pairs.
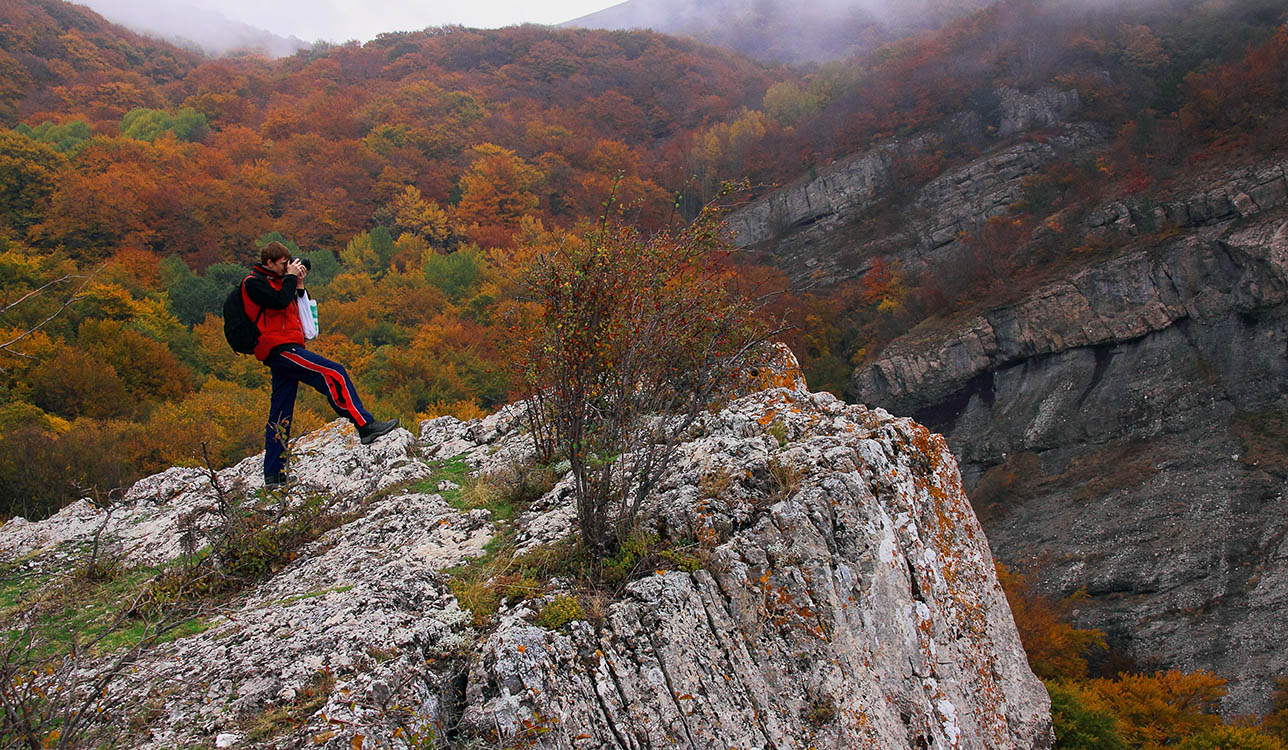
{"points": [[456, 274], [145, 124], [63, 137], [227, 275], [191, 296], [1078, 726]]}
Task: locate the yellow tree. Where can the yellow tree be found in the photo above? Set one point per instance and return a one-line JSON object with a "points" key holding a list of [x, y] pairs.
{"points": [[412, 213], [29, 173], [496, 191], [1155, 711]]}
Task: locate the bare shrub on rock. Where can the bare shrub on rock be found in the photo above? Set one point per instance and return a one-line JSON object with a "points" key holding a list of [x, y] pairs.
{"points": [[635, 339]]}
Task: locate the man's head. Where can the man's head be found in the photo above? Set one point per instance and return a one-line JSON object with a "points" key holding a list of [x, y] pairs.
{"points": [[273, 252]]}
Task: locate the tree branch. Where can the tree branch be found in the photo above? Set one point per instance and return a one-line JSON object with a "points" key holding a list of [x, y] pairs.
{"points": [[75, 296]]}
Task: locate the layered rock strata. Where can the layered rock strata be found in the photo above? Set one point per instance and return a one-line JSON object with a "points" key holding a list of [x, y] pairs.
{"points": [[845, 597], [814, 227], [1122, 431]]}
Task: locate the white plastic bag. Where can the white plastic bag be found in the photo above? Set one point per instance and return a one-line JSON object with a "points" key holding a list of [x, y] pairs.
{"points": [[308, 315]]}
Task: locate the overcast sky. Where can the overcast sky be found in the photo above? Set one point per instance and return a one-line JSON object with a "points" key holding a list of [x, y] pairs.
{"points": [[342, 20]]}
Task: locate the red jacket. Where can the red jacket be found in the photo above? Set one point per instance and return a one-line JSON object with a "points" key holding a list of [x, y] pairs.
{"points": [[275, 296]]}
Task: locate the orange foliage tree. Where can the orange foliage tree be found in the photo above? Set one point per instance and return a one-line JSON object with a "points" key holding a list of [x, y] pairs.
{"points": [[496, 191], [1159, 710], [1056, 649]]}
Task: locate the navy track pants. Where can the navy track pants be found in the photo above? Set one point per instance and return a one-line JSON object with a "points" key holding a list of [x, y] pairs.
{"points": [[291, 366]]}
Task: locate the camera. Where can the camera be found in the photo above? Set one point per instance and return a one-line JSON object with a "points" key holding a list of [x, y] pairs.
{"points": [[308, 264]]}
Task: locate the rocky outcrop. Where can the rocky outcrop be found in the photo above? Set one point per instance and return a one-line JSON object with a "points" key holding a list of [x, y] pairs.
{"points": [[799, 225], [963, 199], [1124, 299], [147, 524], [1239, 194], [1020, 112], [850, 186], [1121, 431], [845, 598]]}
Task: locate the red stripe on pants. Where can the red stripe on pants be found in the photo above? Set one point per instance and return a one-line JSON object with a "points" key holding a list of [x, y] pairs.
{"points": [[332, 378]]}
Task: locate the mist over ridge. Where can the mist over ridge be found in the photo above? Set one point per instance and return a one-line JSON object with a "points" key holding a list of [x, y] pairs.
{"points": [[782, 32], [206, 31]]}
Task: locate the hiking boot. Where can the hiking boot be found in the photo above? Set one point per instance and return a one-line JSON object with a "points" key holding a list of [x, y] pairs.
{"points": [[369, 432], [278, 482]]}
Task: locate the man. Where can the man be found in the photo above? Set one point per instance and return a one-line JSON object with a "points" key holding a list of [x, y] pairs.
{"points": [[269, 295]]}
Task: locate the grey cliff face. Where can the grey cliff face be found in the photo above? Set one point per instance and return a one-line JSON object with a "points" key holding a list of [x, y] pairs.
{"points": [[1107, 428], [851, 602], [813, 227], [1121, 429]]}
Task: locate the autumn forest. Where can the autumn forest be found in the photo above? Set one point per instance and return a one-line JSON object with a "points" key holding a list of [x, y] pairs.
{"points": [[419, 172]]}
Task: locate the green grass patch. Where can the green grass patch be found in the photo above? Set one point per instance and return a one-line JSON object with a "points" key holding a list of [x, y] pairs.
{"points": [[137, 630], [85, 610], [454, 470], [16, 589], [505, 495]]}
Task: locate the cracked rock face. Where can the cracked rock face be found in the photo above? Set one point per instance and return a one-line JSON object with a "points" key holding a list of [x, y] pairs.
{"points": [[836, 614], [1121, 430], [814, 228], [845, 597]]}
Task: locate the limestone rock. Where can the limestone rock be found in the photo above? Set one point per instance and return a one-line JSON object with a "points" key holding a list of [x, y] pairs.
{"points": [[833, 616], [148, 525], [846, 597], [1021, 111], [1119, 300]]}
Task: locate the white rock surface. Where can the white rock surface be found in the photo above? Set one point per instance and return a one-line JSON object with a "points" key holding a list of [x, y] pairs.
{"points": [[847, 599]]}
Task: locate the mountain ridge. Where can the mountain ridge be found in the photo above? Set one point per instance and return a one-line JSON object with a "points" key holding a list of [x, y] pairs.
{"points": [[1010, 154]]}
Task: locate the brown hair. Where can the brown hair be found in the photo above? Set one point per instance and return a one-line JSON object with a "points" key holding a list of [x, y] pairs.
{"points": [[273, 251]]}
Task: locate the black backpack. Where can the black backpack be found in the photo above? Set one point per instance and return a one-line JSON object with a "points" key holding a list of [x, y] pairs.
{"points": [[242, 332]]}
